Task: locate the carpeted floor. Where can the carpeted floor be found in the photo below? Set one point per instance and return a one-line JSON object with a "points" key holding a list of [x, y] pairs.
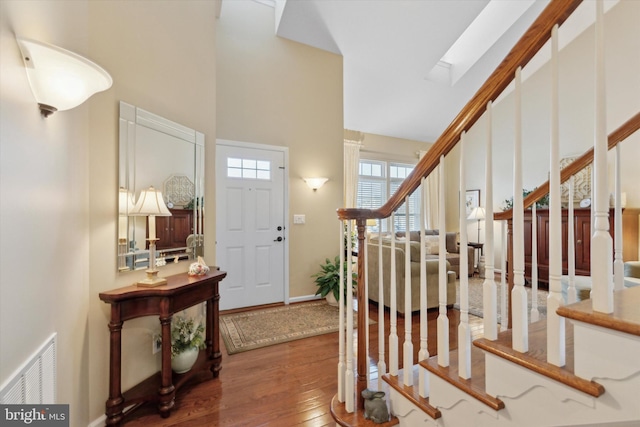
{"points": [[475, 298], [260, 328]]}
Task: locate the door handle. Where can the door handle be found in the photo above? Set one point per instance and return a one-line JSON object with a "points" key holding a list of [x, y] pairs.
{"points": [[279, 239]]}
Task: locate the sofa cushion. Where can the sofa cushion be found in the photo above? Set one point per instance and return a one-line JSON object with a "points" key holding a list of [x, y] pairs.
{"points": [[432, 245]]}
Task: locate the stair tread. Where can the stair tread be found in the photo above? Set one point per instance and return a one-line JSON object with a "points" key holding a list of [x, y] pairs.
{"points": [[474, 386], [536, 358], [412, 393], [625, 316], [355, 418]]}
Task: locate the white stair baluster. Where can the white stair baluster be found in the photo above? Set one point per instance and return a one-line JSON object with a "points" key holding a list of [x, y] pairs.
{"points": [[350, 373], [393, 319], [464, 333], [489, 290], [504, 318], [382, 367], [341, 324], [520, 337], [407, 348], [535, 313], [423, 354], [601, 242], [571, 247], [555, 323], [443, 320], [618, 265]]}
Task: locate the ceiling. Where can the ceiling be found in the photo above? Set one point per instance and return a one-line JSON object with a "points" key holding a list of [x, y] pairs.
{"points": [[396, 81]]}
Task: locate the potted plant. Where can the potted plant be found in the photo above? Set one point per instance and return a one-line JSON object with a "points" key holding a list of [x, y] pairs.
{"points": [[328, 280], [186, 342]]}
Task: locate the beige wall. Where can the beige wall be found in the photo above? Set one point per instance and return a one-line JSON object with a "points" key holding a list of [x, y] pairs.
{"points": [[389, 148], [59, 179], [277, 92]]}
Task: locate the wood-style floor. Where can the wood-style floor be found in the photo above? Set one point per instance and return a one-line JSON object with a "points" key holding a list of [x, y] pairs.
{"points": [[284, 385]]}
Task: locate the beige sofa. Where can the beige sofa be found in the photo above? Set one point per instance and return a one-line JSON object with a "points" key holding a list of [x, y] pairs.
{"points": [[432, 277], [452, 248]]}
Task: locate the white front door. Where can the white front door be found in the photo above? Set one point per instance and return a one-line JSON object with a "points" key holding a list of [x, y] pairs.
{"points": [[250, 224]]}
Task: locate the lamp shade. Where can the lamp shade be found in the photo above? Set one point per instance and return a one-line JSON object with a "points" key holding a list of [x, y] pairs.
{"points": [[60, 79], [477, 214], [150, 203], [125, 202]]}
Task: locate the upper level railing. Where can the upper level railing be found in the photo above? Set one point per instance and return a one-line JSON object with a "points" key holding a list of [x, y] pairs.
{"points": [[525, 49], [617, 136]]}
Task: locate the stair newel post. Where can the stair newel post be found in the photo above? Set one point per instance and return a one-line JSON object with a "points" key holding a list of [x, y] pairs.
{"points": [[350, 403], [555, 323], [489, 291], [618, 265], [423, 354], [407, 347], [443, 320], [363, 321], [382, 367], [601, 244], [571, 247], [342, 367], [520, 335], [464, 334], [393, 304]]}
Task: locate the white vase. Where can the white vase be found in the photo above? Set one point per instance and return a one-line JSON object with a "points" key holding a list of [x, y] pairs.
{"points": [[331, 299], [181, 363]]}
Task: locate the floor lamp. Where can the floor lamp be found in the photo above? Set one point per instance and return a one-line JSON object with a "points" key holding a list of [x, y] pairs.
{"points": [[477, 214]]}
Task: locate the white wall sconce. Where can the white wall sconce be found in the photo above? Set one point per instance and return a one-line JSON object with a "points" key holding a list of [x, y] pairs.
{"points": [[60, 79], [315, 183]]}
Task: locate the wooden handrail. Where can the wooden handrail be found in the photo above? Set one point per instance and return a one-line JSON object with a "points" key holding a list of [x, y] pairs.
{"points": [[615, 137], [529, 44]]}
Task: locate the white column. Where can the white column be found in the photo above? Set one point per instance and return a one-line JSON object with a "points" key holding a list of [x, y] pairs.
{"points": [[366, 298], [571, 247], [407, 347], [555, 323], [393, 319], [342, 366], [618, 265], [464, 333], [601, 243], [423, 354], [489, 290], [443, 320], [535, 313], [382, 367], [520, 337]]}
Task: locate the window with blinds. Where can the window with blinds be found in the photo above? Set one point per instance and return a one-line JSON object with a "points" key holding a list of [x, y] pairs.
{"points": [[378, 180]]}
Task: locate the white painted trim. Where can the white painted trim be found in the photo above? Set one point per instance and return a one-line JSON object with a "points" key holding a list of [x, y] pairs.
{"points": [[98, 422], [303, 298]]}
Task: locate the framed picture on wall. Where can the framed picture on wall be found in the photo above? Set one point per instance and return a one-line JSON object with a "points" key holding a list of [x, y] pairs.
{"points": [[473, 200]]}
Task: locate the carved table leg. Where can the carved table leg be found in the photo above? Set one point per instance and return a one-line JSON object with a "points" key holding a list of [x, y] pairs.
{"points": [[167, 391], [115, 404], [213, 333]]}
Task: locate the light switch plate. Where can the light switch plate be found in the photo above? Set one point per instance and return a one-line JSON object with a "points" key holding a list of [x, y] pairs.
{"points": [[298, 219]]}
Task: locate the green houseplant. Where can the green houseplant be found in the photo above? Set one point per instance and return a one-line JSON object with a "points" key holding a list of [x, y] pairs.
{"points": [[186, 342], [328, 279]]}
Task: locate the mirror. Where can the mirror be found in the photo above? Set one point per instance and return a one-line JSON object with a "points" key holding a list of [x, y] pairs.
{"points": [[157, 152]]}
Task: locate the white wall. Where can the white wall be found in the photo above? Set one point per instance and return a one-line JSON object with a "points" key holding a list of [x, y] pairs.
{"points": [[44, 198]]}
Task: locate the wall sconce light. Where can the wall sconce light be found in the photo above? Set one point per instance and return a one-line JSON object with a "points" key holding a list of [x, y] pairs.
{"points": [[151, 204], [315, 183], [60, 79]]}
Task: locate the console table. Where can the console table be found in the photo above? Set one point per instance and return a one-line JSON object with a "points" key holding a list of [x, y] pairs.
{"points": [[180, 292]]}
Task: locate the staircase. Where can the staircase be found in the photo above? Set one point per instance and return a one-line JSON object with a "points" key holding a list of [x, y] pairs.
{"points": [[578, 367]]}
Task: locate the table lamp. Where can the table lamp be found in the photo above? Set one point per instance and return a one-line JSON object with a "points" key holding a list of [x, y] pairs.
{"points": [[151, 204]]}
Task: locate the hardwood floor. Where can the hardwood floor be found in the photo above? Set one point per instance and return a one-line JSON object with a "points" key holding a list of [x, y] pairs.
{"points": [[289, 384]]}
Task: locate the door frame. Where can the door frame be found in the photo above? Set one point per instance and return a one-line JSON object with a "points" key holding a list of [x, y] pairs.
{"points": [[285, 184]]}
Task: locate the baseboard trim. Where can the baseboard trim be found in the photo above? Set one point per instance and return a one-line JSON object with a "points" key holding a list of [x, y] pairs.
{"points": [[304, 298], [98, 422]]}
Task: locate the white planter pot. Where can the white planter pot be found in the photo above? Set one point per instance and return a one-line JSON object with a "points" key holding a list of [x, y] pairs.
{"points": [[184, 361], [331, 300]]}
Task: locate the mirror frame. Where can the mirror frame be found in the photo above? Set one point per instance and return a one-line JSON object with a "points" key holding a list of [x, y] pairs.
{"points": [[130, 118]]}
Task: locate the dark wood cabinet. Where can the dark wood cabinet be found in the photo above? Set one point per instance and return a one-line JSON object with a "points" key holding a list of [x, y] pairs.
{"points": [[582, 239], [172, 231]]}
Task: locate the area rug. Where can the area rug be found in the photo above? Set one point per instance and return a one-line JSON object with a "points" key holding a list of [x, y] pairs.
{"points": [[261, 328], [475, 298]]}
